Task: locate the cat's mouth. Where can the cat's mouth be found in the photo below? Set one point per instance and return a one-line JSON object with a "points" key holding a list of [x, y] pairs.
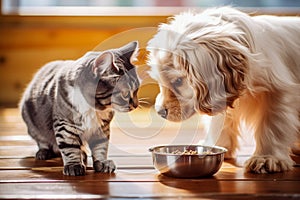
{"points": [[115, 107], [122, 109], [119, 107]]}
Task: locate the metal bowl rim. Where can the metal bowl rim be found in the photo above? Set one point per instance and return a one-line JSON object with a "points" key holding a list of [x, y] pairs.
{"points": [[223, 150]]}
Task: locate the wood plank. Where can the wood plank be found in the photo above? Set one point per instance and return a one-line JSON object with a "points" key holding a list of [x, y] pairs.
{"points": [[125, 165], [81, 22], [178, 189], [30, 151], [17, 143], [54, 174], [17, 151], [31, 162]]}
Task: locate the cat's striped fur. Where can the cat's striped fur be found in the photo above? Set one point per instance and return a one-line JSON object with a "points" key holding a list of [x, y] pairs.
{"points": [[70, 104]]}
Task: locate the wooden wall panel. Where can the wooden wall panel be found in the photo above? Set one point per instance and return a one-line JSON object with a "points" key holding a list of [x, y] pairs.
{"points": [[29, 42]]}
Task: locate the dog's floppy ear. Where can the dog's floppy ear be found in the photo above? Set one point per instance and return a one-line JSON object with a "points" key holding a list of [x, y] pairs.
{"points": [[233, 65], [220, 78]]}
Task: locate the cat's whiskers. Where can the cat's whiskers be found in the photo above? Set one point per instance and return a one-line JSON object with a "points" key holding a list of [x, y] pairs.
{"points": [[143, 102], [143, 98]]}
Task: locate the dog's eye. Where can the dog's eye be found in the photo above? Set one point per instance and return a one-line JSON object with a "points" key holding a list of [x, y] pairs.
{"points": [[177, 82]]}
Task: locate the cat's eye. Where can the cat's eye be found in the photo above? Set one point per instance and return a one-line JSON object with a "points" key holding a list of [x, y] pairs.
{"points": [[126, 94], [177, 82]]}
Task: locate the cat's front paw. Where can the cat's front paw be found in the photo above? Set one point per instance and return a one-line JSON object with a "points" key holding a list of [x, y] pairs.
{"points": [[45, 154], [74, 170], [268, 164], [104, 166]]}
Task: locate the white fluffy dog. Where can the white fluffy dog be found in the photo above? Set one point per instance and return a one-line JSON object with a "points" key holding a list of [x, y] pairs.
{"points": [[225, 61]]}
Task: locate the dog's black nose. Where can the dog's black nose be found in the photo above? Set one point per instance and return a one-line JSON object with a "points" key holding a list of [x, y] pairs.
{"points": [[163, 113]]}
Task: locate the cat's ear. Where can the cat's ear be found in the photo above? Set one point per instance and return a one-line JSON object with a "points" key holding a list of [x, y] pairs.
{"points": [[105, 62], [130, 50]]}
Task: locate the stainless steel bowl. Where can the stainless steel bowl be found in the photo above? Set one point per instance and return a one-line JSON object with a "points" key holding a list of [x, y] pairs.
{"points": [[206, 162]]}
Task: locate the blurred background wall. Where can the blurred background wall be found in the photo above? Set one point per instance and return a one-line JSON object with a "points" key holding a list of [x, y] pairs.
{"points": [[34, 32]]}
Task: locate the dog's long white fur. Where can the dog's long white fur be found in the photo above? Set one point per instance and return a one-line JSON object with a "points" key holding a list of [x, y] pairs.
{"points": [[263, 89]]}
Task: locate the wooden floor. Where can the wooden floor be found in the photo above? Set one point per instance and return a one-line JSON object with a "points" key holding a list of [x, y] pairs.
{"points": [[22, 177]]}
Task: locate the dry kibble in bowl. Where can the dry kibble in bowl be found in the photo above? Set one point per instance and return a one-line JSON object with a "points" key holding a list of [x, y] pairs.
{"points": [[185, 152], [190, 152]]}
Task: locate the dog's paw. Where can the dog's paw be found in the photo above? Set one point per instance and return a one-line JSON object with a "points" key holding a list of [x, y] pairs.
{"points": [[268, 164], [74, 170], [104, 166]]}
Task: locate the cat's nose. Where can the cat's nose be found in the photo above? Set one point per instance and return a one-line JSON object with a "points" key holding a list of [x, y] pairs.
{"points": [[163, 113], [133, 104]]}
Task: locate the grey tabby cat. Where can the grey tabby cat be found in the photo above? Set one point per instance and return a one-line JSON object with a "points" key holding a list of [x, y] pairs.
{"points": [[70, 104]]}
